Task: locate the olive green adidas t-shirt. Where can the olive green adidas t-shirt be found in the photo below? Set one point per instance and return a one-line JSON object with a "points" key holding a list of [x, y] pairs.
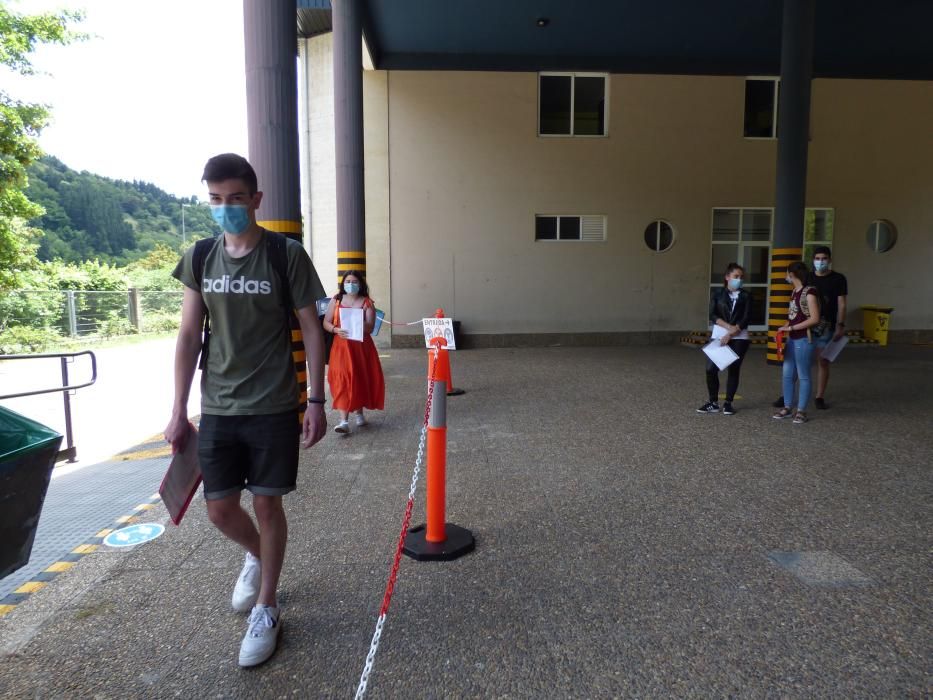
{"points": [[249, 365]]}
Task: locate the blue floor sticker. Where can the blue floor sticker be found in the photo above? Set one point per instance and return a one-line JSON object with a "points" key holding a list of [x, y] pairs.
{"points": [[133, 535]]}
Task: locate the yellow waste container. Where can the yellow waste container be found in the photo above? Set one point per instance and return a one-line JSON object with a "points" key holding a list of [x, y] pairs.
{"points": [[876, 320]]}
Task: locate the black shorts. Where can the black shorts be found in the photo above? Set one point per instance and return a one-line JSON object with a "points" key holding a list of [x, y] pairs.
{"points": [[258, 452]]}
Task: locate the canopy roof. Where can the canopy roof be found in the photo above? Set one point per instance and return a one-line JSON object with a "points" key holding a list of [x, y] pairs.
{"points": [[854, 38]]}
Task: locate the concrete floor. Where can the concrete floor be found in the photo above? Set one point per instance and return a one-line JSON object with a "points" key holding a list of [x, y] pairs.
{"points": [[626, 547]]}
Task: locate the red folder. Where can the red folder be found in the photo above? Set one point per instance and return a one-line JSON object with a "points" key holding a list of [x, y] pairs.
{"points": [[182, 479]]}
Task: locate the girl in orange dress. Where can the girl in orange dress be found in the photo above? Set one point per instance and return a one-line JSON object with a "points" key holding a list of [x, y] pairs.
{"points": [[354, 372]]}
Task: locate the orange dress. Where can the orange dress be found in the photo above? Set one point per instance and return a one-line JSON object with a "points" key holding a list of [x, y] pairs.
{"points": [[354, 372]]}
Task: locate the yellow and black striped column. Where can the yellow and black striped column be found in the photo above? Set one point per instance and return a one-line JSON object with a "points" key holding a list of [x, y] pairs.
{"points": [[270, 33], [292, 229], [350, 260], [797, 41], [779, 297], [348, 136]]}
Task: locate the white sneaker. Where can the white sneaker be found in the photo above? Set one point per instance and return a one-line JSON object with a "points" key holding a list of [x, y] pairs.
{"points": [[262, 636], [246, 590], [343, 427], [360, 420]]}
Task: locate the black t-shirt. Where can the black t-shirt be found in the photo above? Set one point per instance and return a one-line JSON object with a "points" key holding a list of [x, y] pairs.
{"points": [[830, 287]]}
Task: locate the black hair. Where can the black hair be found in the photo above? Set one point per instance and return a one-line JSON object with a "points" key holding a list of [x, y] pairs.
{"points": [[230, 166], [364, 288], [730, 268], [799, 270], [824, 249]]}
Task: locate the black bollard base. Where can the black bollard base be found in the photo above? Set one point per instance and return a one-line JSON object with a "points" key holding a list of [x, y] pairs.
{"points": [[456, 392], [459, 542]]}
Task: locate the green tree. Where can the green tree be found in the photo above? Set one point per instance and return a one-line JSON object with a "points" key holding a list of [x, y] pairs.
{"points": [[20, 125]]}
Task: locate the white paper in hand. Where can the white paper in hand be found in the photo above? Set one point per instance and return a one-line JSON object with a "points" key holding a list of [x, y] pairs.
{"points": [[833, 348], [351, 320], [721, 355]]}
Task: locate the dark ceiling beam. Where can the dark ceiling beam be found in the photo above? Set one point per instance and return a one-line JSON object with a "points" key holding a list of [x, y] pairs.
{"points": [[828, 68]]}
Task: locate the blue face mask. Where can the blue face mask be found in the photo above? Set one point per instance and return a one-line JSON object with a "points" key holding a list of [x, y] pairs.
{"points": [[232, 218], [820, 265], [351, 287], [735, 284]]}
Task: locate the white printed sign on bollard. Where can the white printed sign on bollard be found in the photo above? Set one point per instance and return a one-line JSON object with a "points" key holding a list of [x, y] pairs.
{"points": [[439, 328]]}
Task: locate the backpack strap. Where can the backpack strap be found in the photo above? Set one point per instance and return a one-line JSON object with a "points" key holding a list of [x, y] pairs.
{"points": [[198, 260], [804, 304], [276, 247], [201, 249]]}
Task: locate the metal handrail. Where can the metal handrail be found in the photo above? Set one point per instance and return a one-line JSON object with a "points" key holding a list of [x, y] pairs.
{"points": [[61, 355], [70, 451]]}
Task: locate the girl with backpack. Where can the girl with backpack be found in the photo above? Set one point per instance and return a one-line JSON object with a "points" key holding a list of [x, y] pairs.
{"points": [[802, 315]]}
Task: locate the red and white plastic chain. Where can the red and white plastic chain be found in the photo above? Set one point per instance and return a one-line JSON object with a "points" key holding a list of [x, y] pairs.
{"points": [[399, 323], [406, 522]]}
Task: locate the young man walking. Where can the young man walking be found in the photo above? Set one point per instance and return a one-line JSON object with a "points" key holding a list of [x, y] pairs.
{"points": [[249, 431], [833, 289]]}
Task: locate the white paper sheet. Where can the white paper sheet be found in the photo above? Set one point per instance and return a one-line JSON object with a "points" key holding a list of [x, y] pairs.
{"points": [[352, 321], [833, 348], [721, 355], [719, 332]]}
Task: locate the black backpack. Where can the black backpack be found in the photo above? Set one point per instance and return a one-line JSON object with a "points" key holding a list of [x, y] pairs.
{"points": [[278, 256]]}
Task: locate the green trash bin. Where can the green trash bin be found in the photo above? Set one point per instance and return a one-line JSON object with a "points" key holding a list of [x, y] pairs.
{"points": [[27, 456]]}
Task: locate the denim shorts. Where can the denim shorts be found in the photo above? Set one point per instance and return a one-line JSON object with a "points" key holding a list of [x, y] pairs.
{"points": [[258, 453], [821, 341]]}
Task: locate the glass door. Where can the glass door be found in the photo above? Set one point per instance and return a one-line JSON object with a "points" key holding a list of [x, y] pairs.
{"points": [[743, 235]]}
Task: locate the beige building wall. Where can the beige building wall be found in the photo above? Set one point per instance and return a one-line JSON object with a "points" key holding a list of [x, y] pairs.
{"points": [[468, 173], [872, 158], [321, 220]]}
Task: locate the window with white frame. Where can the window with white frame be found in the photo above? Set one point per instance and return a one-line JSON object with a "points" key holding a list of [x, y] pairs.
{"points": [[570, 227], [743, 235], [572, 104], [761, 107]]}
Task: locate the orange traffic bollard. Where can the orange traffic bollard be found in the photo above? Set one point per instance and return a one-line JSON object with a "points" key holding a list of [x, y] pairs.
{"points": [[438, 539], [436, 473]]}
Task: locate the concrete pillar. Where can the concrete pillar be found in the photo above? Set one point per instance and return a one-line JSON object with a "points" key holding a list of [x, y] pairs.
{"points": [[348, 135], [271, 42], [793, 127]]}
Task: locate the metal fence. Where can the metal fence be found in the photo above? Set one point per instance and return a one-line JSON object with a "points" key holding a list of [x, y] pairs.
{"points": [[93, 313]]}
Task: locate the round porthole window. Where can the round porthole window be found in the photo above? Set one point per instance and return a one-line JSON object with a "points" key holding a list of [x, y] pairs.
{"points": [[659, 236], [881, 236]]}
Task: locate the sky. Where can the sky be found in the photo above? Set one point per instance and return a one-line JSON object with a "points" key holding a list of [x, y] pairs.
{"points": [[157, 90]]}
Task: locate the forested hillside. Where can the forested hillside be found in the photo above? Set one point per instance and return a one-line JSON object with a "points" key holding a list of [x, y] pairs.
{"points": [[91, 217]]}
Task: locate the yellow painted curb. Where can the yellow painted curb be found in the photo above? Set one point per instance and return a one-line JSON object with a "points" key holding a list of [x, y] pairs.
{"points": [[60, 566], [30, 587]]}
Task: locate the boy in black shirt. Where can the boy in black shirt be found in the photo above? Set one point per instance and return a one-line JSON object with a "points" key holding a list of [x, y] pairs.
{"points": [[833, 289]]}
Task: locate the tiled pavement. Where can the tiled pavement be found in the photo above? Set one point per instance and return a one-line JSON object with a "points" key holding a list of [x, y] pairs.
{"points": [[84, 502], [626, 546]]}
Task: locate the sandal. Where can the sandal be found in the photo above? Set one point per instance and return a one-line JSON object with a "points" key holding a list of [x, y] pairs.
{"points": [[800, 418], [783, 413]]}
